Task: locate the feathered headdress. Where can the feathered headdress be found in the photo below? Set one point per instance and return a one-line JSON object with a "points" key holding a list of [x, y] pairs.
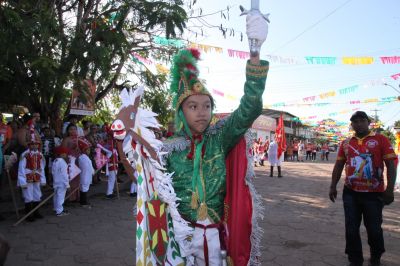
{"points": [[185, 81]]}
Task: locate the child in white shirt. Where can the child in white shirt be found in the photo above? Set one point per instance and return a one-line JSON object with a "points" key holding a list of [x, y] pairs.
{"points": [[60, 174]]}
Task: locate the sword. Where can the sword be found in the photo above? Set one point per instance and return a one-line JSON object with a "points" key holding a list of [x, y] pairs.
{"points": [[255, 7]]}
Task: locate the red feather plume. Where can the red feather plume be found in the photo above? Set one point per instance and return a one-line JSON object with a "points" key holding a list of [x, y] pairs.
{"points": [[195, 52]]}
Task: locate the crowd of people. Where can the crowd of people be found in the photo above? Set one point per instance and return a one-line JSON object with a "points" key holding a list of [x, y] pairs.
{"points": [[68, 162], [296, 150]]}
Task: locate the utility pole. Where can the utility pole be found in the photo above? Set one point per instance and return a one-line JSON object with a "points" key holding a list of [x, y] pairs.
{"points": [[376, 114]]}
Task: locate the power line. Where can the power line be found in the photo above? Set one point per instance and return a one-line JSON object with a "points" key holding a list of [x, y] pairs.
{"points": [[313, 25]]}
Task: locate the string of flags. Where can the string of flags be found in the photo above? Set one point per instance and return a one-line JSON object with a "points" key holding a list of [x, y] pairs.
{"points": [[306, 101], [315, 60], [378, 101], [311, 60]]}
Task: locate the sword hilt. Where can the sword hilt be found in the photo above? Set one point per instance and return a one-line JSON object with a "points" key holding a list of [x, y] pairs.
{"points": [[254, 47]]}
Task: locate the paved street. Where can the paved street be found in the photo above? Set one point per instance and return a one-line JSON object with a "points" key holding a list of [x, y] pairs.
{"points": [[302, 227]]}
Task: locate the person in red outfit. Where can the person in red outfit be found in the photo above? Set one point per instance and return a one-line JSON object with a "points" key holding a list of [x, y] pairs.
{"points": [[364, 193]]}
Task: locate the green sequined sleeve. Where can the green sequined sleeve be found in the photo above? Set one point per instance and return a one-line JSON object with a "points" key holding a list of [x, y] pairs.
{"points": [[250, 105]]}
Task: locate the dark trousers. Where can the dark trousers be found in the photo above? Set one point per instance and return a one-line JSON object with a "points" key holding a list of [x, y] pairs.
{"points": [[308, 155], [296, 154], [313, 156], [367, 206]]}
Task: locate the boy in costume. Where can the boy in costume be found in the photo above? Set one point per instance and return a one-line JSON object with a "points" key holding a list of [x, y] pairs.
{"points": [[182, 216], [87, 171], [60, 174], [112, 164], [196, 155], [31, 177]]}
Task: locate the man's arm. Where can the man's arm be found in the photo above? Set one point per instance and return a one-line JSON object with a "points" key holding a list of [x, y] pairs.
{"points": [[336, 174], [21, 136], [388, 196], [7, 139]]}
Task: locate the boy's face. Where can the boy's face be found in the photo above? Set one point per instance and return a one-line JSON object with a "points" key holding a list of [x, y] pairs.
{"points": [[33, 146], [197, 110], [47, 132], [72, 131]]}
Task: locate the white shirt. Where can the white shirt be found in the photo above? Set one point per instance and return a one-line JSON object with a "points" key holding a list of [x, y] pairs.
{"points": [[60, 173]]}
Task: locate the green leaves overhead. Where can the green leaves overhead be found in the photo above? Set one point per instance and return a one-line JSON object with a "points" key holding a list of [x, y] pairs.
{"points": [[167, 14], [49, 47]]}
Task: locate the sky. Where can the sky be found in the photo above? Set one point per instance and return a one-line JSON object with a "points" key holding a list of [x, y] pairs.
{"points": [[335, 28]]}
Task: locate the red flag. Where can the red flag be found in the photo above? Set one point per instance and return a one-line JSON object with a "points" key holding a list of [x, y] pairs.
{"points": [[280, 137]]}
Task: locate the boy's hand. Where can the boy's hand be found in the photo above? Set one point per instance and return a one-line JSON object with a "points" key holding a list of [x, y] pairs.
{"points": [[256, 30]]}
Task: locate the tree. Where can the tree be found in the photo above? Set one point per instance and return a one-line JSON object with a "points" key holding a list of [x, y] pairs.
{"points": [[49, 47], [389, 134]]}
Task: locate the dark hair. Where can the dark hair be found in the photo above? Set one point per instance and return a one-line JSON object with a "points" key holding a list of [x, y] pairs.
{"points": [[69, 126], [360, 114], [26, 118], [85, 122], [72, 117]]}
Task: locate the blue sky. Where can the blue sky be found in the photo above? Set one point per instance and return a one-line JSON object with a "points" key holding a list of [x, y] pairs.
{"points": [[335, 28]]}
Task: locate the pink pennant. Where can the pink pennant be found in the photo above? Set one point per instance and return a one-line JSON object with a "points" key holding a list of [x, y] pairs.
{"points": [[395, 76], [390, 59], [217, 92]]}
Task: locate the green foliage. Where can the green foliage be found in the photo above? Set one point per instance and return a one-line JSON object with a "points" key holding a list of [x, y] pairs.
{"points": [[388, 133], [397, 123], [49, 47], [103, 113], [167, 14]]}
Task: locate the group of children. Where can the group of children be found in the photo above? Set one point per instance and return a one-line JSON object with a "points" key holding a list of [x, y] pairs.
{"points": [[260, 151], [65, 172]]}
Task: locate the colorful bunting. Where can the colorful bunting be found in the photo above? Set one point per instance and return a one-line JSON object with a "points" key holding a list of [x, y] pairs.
{"points": [[309, 99], [348, 89], [142, 59], [327, 94], [357, 60], [283, 60], [238, 54], [207, 48], [320, 60], [217, 92], [395, 76], [169, 42], [390, 59]]}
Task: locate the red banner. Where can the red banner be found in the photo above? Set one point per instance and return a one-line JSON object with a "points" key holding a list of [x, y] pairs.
{"points": [[280, 136]]}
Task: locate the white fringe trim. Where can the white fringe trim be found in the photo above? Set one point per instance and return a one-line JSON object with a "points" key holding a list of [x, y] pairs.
{"points": [[162, 180], [258, 208]]}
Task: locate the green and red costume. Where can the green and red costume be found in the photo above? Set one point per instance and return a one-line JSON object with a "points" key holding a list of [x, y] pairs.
{"points": [[223, 189]]}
